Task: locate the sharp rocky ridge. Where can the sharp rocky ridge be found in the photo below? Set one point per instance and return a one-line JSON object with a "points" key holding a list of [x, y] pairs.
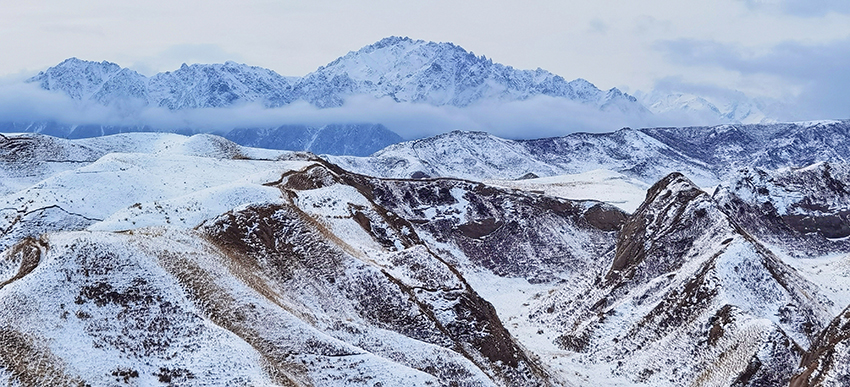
{"points": [[402, 69]]}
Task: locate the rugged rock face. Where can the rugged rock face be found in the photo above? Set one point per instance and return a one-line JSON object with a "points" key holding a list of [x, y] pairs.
{"points": [[689, 297], [806, 209], [826, 362], [512, 234], [770, 146]]}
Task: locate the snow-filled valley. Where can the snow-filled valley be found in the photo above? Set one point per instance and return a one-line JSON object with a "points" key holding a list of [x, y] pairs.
{"points": [[162, 259]]}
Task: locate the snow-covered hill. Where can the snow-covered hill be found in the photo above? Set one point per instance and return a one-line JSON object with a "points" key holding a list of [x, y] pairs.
{"points": [[708, 155], [353, 139], [146, 258], [349, 139]]}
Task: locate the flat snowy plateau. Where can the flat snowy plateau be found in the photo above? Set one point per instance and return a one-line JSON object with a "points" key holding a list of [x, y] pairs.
{"points": [[460, 260]]}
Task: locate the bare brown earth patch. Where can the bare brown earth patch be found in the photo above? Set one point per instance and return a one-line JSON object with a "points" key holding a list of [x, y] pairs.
{"points": [[225, 311], [31, 363], [28, 252]]}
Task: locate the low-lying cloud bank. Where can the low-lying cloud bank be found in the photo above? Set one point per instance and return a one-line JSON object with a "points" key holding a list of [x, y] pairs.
{"points": [[533, 118], [817, 72]]}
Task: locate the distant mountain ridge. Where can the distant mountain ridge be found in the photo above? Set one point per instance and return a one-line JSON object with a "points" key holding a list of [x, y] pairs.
{"points": [[403, 69], [708, 154], [740, 109]]}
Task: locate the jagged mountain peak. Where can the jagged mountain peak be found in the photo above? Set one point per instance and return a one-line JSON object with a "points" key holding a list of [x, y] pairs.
{"points": [[675, 182], [672, 201], [440, 74], [84, 80], [399, 68]]}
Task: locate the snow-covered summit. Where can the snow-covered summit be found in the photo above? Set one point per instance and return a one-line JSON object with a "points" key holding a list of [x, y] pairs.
{"points": [[403, 69], [195, 86], [439, 74], [103, 82]]}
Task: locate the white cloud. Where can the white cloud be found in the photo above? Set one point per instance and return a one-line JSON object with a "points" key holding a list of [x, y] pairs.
{"points": [[537, 117], [817, 72]]}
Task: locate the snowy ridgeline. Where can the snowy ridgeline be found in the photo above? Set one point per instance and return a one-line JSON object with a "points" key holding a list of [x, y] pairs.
{"points": [[403, 69], [371, 82], [707, 155], [196, 261]]}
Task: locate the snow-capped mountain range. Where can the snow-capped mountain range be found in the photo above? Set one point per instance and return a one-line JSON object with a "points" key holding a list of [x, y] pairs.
{"points": [[403, 69], [399, 69]]}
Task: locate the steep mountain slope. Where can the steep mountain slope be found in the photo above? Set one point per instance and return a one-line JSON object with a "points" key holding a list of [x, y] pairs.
{"points": [[689, 298], [807, 207], [175, 309], [826, 362], [306, 282], [770, 146], [151, 258]]}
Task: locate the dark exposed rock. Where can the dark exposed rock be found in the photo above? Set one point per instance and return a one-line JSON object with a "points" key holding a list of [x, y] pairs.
{"points": [[665, 220], [826, 362], [288, 245], [805, 210]]}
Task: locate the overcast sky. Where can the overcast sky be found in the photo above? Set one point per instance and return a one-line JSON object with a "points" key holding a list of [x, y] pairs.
{"points": [[792, 49]]}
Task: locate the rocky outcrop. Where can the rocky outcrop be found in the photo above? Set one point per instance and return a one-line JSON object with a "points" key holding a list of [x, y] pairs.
{"points": [[826, 362]]}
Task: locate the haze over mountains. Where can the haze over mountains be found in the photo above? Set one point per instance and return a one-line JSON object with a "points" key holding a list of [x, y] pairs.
{"points": [[714, 255], [412, 87]]}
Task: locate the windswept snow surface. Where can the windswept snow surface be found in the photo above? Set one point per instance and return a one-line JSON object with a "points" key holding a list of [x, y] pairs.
{"points": [[131, 180], [606, 186]]}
